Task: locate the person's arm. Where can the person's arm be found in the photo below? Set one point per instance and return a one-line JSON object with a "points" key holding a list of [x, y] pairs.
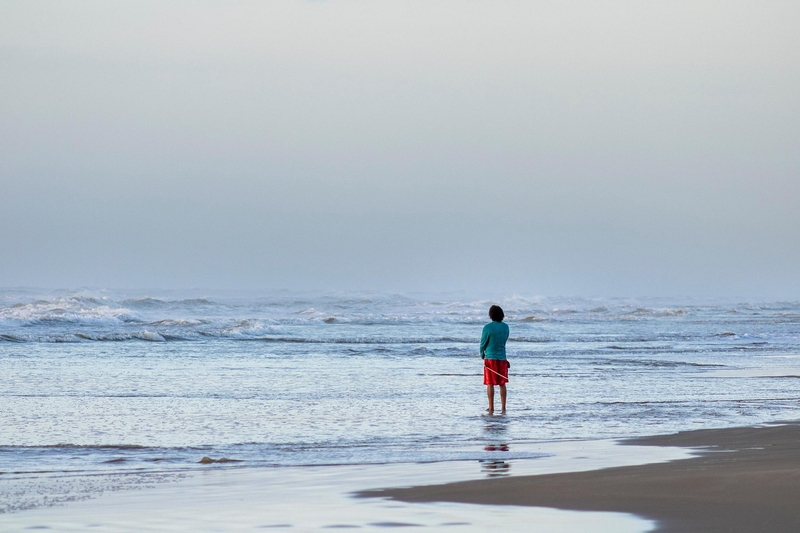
{"points": [[484, 341], [508, 333]]}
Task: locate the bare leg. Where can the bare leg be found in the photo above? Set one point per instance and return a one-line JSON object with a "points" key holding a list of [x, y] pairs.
{"points": [[490, 394], [503, 398]]}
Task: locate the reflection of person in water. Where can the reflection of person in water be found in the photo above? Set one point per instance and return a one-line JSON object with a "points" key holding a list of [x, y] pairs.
{"points": [[493, 353], [495, 467]]}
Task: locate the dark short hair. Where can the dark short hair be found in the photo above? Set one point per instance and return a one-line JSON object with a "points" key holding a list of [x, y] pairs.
{"points": [[496, 313]]}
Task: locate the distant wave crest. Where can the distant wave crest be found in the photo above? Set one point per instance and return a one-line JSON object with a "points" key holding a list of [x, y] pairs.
{"points": [[72, 310]]}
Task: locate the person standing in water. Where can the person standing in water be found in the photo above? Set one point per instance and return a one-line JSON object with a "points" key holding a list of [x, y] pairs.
{"points": [[493, 353]]}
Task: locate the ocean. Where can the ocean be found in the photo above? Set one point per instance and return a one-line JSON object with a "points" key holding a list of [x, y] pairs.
{"points": [[140, 386]]}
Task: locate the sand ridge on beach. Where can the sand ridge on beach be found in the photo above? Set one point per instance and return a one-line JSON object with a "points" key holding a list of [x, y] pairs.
{"points": [[741, 480]]}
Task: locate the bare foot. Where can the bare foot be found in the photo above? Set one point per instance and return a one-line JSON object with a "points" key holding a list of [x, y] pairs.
{"points": [[490, 411], [503, 412]]}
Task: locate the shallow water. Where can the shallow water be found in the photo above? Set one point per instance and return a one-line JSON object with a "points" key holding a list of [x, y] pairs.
{"points": [[320, 497], [149, 383]]}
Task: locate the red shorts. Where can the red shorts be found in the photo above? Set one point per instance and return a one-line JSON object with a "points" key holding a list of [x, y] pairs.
{"points": [[501, 367]]}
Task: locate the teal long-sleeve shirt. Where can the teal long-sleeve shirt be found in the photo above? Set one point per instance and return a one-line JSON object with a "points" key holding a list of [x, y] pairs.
{"points": [[493, 340]]}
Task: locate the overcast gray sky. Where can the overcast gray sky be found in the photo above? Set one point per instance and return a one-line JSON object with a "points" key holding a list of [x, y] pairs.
{"points": [[555, 148]]}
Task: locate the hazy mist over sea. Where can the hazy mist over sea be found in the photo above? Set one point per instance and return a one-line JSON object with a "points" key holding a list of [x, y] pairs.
{"points": [[504, 147]]}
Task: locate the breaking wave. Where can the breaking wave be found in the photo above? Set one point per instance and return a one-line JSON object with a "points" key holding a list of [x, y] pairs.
{"points": [[71, 310]]}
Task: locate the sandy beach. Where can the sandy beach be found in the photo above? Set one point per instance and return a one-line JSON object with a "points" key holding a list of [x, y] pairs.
{"points": [[741, 479]]}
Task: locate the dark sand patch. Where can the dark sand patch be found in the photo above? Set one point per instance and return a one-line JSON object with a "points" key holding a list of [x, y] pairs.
{"points": [[742, 480]]}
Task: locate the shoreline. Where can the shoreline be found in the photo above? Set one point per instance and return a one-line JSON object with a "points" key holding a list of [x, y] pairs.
{"points": [[240, 499], [739, 479], [736, 479]]}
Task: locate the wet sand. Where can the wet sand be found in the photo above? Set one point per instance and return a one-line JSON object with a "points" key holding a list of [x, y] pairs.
{"points": [[741, 480]]}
